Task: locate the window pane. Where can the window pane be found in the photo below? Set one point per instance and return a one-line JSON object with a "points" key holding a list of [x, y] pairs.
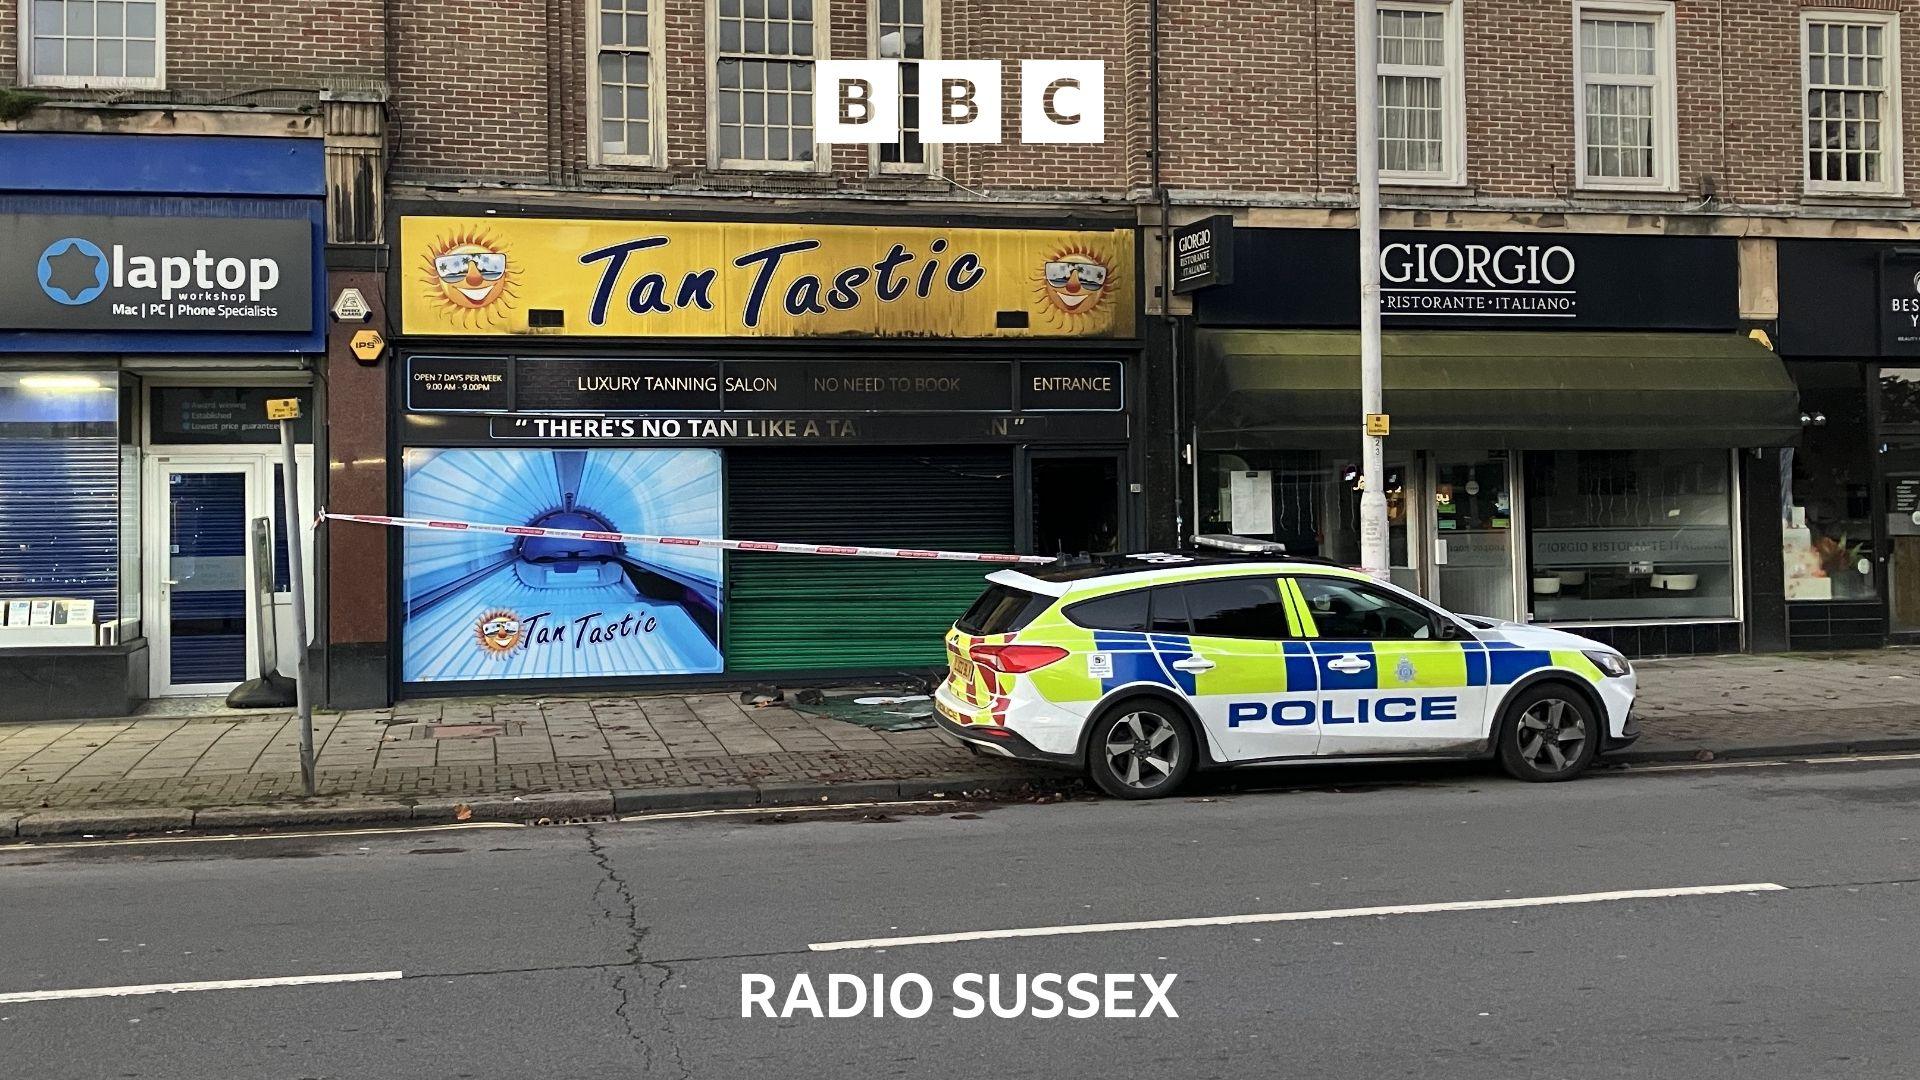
{"points": [[48, 16], [140, 20], [79, 18], [140, 62], [49, 56], [1246, 607], [1827, 507], [1629, 534], [1125, 611], [1350, 611], [80, 57], [60, 539]]}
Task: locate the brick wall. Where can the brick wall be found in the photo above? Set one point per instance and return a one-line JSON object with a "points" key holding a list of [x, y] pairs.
{"points": [[470, 95], [1258, 97], [221, 47], [1273, 114], [532, 125]]}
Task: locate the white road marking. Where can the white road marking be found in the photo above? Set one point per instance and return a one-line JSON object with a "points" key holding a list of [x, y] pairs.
{"points": [[803, 808], [227, 838], [1298, 916], [189, 987]]}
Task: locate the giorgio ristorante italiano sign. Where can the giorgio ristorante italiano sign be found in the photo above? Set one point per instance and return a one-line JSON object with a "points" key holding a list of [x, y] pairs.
{"points": [[489, 277], [97, 272]]}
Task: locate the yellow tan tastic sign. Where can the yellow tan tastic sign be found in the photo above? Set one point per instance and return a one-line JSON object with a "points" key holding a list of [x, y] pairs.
{"points": [[482, 276]]}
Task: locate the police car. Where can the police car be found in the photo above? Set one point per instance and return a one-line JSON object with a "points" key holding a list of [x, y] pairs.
{"points": [[1140, 669]]}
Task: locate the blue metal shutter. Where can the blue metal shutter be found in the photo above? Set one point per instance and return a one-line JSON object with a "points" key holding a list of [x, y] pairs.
{"points": [[60, 519]]}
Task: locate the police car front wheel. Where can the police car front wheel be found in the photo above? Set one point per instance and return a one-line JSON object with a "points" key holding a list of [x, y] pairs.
{"points": [[1551, 733], [1140, 750]]}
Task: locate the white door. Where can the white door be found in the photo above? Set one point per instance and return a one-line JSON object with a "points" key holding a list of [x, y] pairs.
{"points": [[1391, 681], [1253, 688], [199, 574]]}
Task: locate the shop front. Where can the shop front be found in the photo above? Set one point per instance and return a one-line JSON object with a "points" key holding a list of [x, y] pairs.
{"points": [[145, 315], [1573, 422], [1850, 504], [899, 386]]}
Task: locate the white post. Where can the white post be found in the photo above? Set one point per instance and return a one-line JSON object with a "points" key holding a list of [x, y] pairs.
{"points": [[297, 573], [1375, 553]]}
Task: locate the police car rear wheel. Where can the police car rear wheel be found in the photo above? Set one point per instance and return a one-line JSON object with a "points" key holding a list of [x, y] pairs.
{"points": [[1551, 734], [1139, 750]]}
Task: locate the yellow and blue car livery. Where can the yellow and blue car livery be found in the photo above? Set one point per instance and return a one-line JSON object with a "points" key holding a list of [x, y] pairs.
{"points": [[1317, 668]]}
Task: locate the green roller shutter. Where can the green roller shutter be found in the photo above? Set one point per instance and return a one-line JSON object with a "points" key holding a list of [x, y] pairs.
{"points": [[812, 612]]}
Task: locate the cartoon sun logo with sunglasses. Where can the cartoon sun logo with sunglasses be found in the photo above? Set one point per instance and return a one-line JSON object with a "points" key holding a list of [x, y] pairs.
{"points": [[1072, 285], [471, 278]]}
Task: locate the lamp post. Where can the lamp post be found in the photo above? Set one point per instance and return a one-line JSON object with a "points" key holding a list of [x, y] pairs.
{"points": [[1375, 553]]}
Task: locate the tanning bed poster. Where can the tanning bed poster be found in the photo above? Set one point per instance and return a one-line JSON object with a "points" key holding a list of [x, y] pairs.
{"points": [[484, 606]]}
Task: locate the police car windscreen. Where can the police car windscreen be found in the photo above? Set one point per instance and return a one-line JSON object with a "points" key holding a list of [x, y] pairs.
{"points": [[1002, 609]]}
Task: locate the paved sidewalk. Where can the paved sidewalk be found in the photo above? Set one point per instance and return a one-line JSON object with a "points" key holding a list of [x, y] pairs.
{"points": [[525, 758]]}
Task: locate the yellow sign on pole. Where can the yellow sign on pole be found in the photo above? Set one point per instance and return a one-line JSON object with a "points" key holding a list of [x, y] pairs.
{"points": [[286, 408], [367, 345], [1377, 424]]}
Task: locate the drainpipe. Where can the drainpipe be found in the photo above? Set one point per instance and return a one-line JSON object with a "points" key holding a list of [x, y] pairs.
{"points": [[1171, 321]]}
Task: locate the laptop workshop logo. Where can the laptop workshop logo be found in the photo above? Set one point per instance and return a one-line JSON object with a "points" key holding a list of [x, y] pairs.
{"points": [[73, 271]]}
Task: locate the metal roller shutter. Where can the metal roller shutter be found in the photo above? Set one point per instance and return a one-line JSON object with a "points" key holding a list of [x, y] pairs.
{"points": [[808, 612]]}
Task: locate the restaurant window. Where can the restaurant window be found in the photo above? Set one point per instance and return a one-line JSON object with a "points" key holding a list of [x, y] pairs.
{"points": [[763, 70], [625, 42], [1852, 109], [62, 464], [1306, 499], [107, 44], [904, 30], [1826, 496], [1624, 94], [1422, 94], [1630, 535]]}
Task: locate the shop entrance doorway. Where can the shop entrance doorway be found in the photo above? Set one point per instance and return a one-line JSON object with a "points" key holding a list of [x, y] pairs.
{"points": [[1075, 503], [1902, 463], [203, 633], [1472, 533]]}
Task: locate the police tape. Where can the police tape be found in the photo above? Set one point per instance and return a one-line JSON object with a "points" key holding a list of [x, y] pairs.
{"points": [[684, 541]]}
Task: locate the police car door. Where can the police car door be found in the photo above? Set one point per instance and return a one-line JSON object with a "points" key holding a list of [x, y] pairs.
{"points": [[1389, 681], [1253, 688]]}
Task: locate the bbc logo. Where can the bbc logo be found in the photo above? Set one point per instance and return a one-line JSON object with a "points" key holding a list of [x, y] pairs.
{"points": [[858, 101]]}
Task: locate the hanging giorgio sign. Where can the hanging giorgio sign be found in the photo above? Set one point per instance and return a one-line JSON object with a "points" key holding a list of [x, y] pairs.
{"points": [[492, 276]]}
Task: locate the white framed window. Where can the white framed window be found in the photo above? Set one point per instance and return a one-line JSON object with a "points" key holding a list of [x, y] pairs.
{"points": [[761, 108], [110, 44], [905, 30], [1850, 73], [1623, 95], [1421, 64], [625, 96]]}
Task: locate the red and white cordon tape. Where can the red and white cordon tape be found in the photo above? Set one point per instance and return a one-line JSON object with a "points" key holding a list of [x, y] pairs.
{"points": [[684, 541]]}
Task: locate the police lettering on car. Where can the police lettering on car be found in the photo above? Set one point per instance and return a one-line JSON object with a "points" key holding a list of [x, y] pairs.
{"points": [[1140, 669]]}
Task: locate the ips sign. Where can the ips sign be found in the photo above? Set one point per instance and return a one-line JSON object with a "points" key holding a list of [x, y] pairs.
{"points": [[858, 101]]}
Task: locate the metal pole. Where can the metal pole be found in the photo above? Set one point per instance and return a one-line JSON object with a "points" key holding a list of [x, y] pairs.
{"points": [[296, 569], [1375, 553]]}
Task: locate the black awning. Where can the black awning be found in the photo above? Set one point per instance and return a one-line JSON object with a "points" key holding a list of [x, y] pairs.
{"points": [[1490, 391]]}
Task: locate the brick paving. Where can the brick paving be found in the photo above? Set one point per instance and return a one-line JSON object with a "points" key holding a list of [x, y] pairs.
{"points": [[503, 746]]}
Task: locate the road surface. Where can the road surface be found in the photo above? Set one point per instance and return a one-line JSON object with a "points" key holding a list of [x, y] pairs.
{"points": [[618, 949]]}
